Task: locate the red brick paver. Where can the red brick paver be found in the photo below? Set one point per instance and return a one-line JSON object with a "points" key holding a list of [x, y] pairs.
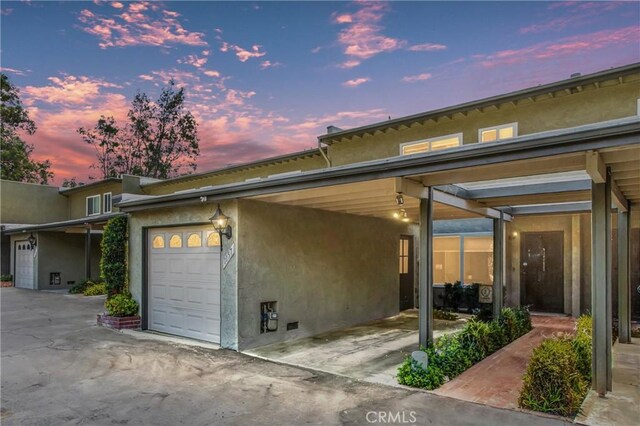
{"points": [[497, 379]]}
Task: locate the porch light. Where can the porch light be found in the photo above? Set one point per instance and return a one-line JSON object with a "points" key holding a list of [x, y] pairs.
{"points": [[220, 223], [402, 215], [32, 241], [400, 200]]}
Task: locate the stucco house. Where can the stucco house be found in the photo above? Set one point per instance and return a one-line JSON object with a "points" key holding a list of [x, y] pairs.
{"points": [[534, 193], [51, 236]]}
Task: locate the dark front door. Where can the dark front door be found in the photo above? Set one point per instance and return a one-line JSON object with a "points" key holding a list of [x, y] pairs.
{"points": [[406, 272], [542, 271]]}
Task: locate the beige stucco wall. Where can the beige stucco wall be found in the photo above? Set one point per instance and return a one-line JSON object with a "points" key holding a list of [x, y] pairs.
{"points": [[29, 203], [302, 164], [325, 270], [65, 253], [590, 106], [197, 214], [78, 198]]}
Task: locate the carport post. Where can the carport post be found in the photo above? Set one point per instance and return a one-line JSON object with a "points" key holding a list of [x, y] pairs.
{"points": [[601, 284], [498, 264], [425, 276], [87, 253], [624, 272]]}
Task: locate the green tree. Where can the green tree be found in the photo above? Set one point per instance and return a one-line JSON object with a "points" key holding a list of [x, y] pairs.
{"points": [[159, 140], [15, 156], [113, 263]]}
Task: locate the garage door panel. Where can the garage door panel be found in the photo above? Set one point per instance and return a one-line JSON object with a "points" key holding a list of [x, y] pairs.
{"points": [[184, 287], [24, 265]]}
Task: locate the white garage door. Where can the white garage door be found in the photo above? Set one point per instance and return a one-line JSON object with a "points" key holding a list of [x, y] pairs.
{"points": [[184, 282], [24, 260]]}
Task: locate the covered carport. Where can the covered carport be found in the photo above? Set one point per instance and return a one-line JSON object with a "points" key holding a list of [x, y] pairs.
{"points": [[591, 168]]}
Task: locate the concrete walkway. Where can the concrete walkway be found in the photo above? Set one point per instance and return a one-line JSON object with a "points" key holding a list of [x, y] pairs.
{"points": [[622, 406], [371, 352], [496, 380], [59, 368]]}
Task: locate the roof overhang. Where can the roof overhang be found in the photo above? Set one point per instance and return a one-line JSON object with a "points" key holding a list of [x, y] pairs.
{"points": [[62, 225], [547, 153]]}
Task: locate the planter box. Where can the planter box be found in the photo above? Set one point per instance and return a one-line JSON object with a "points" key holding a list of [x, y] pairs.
{"points": [[6, 283], [119, 323]]}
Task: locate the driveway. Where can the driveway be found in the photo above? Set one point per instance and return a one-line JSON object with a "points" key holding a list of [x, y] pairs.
{"points": [[59, 368]]}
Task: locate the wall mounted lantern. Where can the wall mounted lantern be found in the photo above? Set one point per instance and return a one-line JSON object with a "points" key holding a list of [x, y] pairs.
{"points": [[32, 241], [220, 223]]}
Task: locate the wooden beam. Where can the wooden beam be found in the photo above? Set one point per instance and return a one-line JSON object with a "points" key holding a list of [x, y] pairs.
{"points": [[624, 274], [498, 265], [425, 275], [595, 167]]}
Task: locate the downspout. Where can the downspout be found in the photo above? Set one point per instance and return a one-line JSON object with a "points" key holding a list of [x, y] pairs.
{"points": [[324, 154]]}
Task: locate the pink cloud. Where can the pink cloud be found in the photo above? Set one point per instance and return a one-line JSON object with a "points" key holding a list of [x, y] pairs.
{"points": [[116, 4], [576, 14], [193, 60], [427, 47], [563, 47], [351, 63], [67, 90], [356, 82], [243, 54], [211, 73], [139, 25], [6, 11], [362, 38], [13, 71], [418, 77], [268, 64]]}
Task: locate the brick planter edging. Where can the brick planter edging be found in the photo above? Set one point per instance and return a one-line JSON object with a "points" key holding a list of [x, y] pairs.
{"points": [[119, 323], [6, 283]]}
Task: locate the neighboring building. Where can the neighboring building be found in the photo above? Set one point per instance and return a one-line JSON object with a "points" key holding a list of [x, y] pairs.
{"points": [[51, 236], [322, 238]]}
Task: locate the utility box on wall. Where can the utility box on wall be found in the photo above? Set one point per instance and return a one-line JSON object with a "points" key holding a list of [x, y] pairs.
{"points": [[268, 317], [54, 278]]}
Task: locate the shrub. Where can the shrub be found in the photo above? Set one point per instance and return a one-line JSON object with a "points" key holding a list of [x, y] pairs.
{"points": [[6, 277], [121, 305], [582, 346], [552, 382], [444, 315], [452, 354], [95, 289], [113, 264], [80, 287]]}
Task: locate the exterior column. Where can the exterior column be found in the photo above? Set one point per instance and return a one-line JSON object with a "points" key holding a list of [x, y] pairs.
{"points": [[601, 284], [87, 253], [498, 265], [624, 274], [425, 276], [575, 265]]}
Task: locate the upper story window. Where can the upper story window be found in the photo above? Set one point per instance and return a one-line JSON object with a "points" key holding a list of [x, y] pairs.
{"points": [[432, 144], [107, 202], [93, 205], [498, 133]]}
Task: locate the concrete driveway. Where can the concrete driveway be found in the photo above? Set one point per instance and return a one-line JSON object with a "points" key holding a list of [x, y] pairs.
{"points": [[59, 368]]}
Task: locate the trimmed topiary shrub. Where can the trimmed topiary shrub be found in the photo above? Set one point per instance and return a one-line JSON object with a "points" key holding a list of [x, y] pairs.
{"points": [[553, 384], [95, 289], [121, 305], [113, 264], [452, 354]]}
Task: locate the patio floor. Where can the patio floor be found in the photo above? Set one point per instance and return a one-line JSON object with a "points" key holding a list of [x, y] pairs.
{"points": [[621, 407], [371, 352], [497, 379]]}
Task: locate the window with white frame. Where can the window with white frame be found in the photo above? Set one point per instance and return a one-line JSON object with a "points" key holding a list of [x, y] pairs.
{"points": [[498, 133], [106, 201], [432, 144], [93, 205]]}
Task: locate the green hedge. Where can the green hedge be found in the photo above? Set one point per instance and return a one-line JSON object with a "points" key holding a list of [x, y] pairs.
{"points": [[113, 264], [452, 354], [558, 376], [121, 305], [94, 289]]}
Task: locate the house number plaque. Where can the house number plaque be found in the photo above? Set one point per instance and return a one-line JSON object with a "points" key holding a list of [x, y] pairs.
{"points": [[228, 255]]}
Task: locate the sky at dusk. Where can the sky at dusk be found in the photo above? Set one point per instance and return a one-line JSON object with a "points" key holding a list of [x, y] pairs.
{"points": [[266, 78]]}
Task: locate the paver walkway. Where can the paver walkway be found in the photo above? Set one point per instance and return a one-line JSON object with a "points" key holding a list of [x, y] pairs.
{"points": [[497, 379]]}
